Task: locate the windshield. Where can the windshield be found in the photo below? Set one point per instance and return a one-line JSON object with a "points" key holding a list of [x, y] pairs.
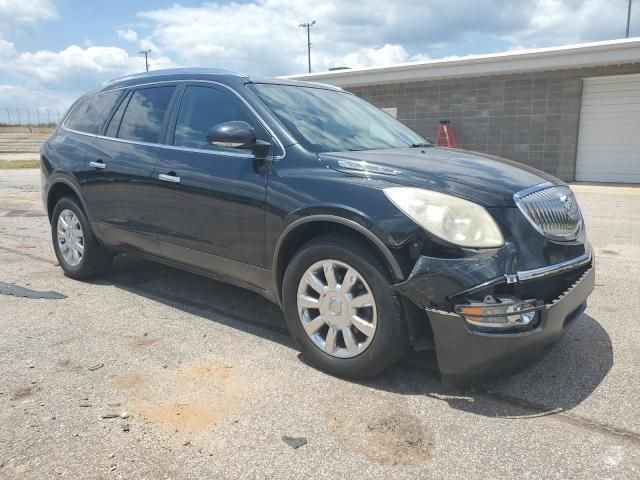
{"points": [[332, 121]]}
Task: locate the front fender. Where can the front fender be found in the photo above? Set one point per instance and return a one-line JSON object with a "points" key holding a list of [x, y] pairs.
{"points": [[338, 212], [348, 217]]}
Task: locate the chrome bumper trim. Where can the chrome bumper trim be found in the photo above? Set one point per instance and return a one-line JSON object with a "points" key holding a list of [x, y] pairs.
{"points": [[557, 268]]}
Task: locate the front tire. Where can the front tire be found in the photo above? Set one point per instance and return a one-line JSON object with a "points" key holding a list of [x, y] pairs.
{"points": [[341, 310], [78, 251]]}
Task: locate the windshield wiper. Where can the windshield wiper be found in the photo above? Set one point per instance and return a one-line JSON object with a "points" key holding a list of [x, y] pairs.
{"points": [[419, 145]]}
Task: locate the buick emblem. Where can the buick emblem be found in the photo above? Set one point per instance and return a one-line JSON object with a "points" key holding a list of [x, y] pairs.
{"points": [[335, 306]]}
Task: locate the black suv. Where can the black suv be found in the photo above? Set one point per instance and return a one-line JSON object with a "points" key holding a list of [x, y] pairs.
{"points": [[372, 240]]}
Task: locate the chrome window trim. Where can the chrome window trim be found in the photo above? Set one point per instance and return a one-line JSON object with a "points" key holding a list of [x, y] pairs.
{"points": [[174, 147], [133, 142], [164, 146], [535, 188], [556, 268], [122, 140], [93, 135], [204, 150]]}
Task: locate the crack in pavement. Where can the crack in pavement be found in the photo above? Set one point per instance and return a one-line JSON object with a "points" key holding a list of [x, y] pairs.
{"points": [[25, 213], [29, 255], [540, 410], [19, 236]]}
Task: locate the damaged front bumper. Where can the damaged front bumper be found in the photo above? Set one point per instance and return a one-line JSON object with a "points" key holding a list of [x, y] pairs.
{"points": [[459, 295]]}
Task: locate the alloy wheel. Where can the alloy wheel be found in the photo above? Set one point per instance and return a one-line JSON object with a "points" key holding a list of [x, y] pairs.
{"points": [[70, 238], [337, 308]]}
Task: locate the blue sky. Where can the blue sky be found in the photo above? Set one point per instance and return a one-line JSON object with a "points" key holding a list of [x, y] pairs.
{"points": [[51, 51], [77, 23]]}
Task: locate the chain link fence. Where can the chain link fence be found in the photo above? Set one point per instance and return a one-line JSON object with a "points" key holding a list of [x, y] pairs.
{"points": [[45, 117]]}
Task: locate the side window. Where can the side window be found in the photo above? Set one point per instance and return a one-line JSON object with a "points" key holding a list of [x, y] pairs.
{"points": [[202, 108], [88, 115], [112, 129], [142, 120]]}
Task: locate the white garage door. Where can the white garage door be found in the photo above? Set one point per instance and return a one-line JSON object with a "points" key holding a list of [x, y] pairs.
{"points": [[609, 138]]}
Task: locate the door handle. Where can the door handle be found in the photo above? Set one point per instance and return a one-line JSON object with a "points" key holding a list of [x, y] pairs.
{"points": [[169, 178], [100, 165]]}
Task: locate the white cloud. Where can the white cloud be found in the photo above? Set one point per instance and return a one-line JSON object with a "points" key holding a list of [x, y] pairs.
{"points": [[54, 79], [6, 49], [128, 35], [148, 44], [17, 14], [365, 57], [263, 36], [245, 36], [77, 66], [12, 97], [570, 21]]}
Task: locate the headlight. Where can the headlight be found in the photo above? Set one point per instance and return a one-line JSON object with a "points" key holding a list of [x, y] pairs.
{"points": [[453, 219]]}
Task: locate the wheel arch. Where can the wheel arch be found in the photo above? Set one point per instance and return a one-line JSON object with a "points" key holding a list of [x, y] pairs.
{"points": [[300, 231], [58, 189]]}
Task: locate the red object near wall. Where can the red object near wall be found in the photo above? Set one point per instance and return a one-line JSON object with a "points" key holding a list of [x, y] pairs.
{"points": [[445, 137]]}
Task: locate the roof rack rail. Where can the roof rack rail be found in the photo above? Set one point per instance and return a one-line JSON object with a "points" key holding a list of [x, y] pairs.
{"points": [[173, 71]]}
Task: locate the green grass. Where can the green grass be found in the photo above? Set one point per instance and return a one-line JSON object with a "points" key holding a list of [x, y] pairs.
{"points": [[12, 164]]}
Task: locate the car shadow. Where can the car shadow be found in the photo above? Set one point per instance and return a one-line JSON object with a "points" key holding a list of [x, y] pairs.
{"points": [[569, 372], [198, 295], [567, 375]]}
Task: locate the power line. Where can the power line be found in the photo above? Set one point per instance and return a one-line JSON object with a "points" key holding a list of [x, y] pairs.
{"points": [[146, 58], [308, 27]]}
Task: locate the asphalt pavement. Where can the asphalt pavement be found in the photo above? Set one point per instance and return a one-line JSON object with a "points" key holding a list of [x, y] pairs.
{"points": [[151, 372]]}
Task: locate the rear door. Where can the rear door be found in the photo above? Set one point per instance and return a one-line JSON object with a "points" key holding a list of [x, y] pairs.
{"points": [[119, 184], [215, 208], [79, 131]]}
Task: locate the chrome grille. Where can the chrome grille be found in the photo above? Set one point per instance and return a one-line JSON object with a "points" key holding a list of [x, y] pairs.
{"points": [[552, 210]]}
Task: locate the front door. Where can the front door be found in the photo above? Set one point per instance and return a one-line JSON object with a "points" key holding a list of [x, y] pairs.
{"points": [[119, 184], [211, 200]]}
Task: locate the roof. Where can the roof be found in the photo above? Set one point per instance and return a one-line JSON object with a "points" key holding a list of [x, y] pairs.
{"points": [[612, 52], [293, 83], [170, 74], [173, 74]]}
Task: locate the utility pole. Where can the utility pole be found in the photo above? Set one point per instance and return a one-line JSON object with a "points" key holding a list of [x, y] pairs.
{"points": [[146, 57], [308, 27], [628, 18]]}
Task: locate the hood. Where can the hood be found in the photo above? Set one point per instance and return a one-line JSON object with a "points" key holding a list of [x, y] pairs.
{"points": [[484, 179]]}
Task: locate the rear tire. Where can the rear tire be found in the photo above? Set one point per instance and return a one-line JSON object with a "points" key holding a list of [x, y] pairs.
{"points": [[78, 251], [312, 302]]}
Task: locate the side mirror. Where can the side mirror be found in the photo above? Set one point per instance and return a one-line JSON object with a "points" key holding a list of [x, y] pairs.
{"points": [[234, 134]]}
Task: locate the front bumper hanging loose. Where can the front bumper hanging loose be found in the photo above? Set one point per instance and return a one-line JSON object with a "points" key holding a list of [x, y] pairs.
{"points": [[434, 280], [469, 348]]}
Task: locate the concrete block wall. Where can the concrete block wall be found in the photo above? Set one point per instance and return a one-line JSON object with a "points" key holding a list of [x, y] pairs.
{"points": [[531, 118]]}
